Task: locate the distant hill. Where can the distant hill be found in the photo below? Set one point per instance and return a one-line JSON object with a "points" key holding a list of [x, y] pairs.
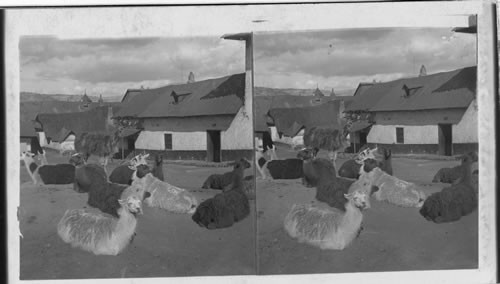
{"points": [[265, 91], [36, 97]]}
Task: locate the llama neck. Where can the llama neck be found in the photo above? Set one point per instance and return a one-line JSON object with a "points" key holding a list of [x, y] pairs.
{"points": [[30, 165], [467, 173], [351, 209], [127, 220]]}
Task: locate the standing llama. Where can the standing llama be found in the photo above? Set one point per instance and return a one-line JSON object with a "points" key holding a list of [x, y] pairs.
{"points": [[228, 207], [100, 233], [455, 201], [48, 174], [327, 228], [102, 145], [330, 139]]}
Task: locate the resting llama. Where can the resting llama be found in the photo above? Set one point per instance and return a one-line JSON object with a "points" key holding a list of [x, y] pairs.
{"points": [[99, 233], [48, 174], [165, 195], [327, 228], [455, 201], [226, 208], [321, 173], [351, 168], [391, 188], [220, 181], [123, 173], [102, 194], [450, 175], [278, 169]]}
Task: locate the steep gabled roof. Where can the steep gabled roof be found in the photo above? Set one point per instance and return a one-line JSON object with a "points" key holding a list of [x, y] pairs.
{"points": [[130, 93], [27, 129], [217, 96], [453, 89]]}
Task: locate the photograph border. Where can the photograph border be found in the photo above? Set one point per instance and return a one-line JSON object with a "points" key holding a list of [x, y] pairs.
{"points": [[67, 23]]}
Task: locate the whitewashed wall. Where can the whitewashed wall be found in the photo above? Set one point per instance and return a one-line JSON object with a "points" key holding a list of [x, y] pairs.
{"points": [[239, 135], [42, 139], [413, 134], [155, 140], [466, 130], [25, 147]]}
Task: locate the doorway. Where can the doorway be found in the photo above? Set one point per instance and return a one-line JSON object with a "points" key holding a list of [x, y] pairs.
{"points": [[444, 139], [213, 146]]}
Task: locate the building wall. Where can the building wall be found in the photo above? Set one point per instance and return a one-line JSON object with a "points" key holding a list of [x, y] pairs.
{"points": [[239, 135], [424, 138], [413, 134], [42, 138], [182, 141], [420, 117], [465, 132]]}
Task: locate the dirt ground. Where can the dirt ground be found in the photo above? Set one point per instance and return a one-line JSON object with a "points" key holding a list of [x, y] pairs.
{"points": [[393, 239], [166, 244]]}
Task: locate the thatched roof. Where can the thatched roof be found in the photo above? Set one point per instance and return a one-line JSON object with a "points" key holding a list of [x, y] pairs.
{"points": [[58, 126], [290, 121], [27, 129], [453, 89], [219, 96]]}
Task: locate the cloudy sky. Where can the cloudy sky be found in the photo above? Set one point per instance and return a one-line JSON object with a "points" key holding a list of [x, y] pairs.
{"points": [[337, 59]]}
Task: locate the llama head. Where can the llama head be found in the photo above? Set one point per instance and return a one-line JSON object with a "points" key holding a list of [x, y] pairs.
{"points": [[306, 154], [359, 199], [158, 160], [132, 203], [369, 165], [140, 159], [367, 153], [28, 157], [142, 170], [242, 163], [77, 159], [470, 157]]}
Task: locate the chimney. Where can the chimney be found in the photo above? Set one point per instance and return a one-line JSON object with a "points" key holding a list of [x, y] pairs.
{"points": [[423, 71], [191, 78]]}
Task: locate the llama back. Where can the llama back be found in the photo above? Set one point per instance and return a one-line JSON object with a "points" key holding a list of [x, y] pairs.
{"points": [[324, 228], [171, 198], [285, 169], [398, 192], [57, 174], [88, 231]]}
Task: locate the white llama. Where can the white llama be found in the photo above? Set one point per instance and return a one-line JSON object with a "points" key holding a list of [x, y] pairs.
{"points": [[328, 228], [101, 233], [165, 195]]}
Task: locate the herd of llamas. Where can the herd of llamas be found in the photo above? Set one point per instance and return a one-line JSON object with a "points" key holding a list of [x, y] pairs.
{"points": [[344, 193], [120, 196]]}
